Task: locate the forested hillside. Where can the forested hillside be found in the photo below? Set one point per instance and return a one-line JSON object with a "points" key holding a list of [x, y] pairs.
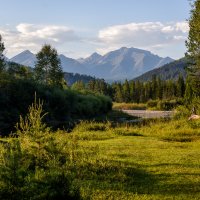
{"points": [[169, 71], [71, 78]]}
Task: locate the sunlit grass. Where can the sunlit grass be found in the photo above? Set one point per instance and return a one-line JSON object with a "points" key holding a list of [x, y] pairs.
{"points": [[158, 161], [155, 160], [129, 106]]}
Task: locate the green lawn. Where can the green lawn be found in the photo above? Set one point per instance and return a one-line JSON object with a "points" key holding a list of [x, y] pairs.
{"points": [[152, 160], [157, 161]]}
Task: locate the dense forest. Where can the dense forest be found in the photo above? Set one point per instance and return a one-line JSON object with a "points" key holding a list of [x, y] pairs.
{"points": [[71, 78], [136, 91]]}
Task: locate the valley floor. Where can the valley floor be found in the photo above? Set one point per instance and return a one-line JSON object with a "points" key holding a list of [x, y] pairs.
{"points": [[157, 161]]}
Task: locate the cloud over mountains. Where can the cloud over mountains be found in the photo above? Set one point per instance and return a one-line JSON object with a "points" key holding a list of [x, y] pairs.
{"points": [[31, 36], [152, 36], [149, 35]]}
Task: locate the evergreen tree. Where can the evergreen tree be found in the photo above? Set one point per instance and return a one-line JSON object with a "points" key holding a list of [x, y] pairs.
{"points": [[118, 93], [193, 47], [103, 87], [2, 60], [78, 85], [132, 90], [137, 91], [91, 85], [159, 92], [48, 68], [180, 88], [154, 87], [170, 89], [188, 91], [126, 91]]}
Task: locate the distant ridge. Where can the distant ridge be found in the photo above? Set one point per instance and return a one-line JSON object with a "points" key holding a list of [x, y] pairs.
{"points": [[123, 63], [169, 71], [26, 58]]}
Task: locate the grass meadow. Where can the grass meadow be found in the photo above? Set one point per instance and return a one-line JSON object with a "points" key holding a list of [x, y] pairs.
{"points": [[160, 160], [155, 159]]}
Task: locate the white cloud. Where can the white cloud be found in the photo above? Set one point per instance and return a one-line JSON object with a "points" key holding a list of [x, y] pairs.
{"points": [[148, 35], [30, 36], [182, 26], [154, 36]]}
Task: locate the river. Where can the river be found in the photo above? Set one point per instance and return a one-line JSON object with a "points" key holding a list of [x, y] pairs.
{"points": [[148, 114]]}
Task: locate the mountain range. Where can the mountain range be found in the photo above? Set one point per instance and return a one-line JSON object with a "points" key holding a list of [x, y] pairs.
{"points": [[124, 63], [169, 71]]}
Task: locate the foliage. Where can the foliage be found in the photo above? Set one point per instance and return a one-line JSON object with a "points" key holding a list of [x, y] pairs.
{"points": [[34, 165], [2, 60], [101, 161], [152, 104], [63, 106], [142, 92], [19, 71], [72, 78], [136, 91], [48, 68], [193, 44], [134, 162], [169, 105], [129, 106]]}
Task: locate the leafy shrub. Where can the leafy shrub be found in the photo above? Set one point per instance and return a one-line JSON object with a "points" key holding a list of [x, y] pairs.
{"points": [[152, 104], [85, 126], [169, 104], [182, 112], [61, 105], [129, 106], [34, 165]]}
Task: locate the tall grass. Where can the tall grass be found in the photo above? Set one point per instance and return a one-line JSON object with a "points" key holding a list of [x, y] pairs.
{"points": [[35, 164], [157, 160], [129, 106]]}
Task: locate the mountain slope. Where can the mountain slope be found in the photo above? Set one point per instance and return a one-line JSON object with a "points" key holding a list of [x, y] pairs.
{"points": [[166, 72], [124, 63], [71, 65], [24, 58]]}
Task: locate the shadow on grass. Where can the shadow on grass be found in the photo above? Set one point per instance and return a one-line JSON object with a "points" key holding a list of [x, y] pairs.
{"points": [[136, 180]]}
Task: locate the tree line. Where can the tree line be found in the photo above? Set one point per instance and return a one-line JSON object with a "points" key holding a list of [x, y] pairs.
{"points": [[65, 106], [136, 91]]}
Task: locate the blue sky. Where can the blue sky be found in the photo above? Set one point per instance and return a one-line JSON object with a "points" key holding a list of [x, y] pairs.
{"points": [[78, 28]]}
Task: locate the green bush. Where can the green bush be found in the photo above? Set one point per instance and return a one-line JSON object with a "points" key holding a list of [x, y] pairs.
{"points": [[182, 112], [62, 106], [169, 104], [152, 104], [129, 106], [34, 165]]}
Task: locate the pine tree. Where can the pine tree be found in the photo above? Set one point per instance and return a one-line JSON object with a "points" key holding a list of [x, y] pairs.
{"points": [[132, 90], [154, 87], [103, 87], [48, 68], [118, 93], [2, 60], [180, 87], [126, 91], [137, 91], [91, 85], [193, 47], [159, 92], [78, 85]]}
